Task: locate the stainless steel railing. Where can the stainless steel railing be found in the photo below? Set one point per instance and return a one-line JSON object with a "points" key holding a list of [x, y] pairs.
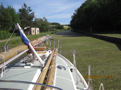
{"points": [[25, 82]]}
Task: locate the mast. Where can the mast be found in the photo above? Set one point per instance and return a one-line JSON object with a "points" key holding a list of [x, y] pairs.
{"points": [[27, 42]]}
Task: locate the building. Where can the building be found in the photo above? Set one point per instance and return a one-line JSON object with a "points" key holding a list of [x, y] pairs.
{"points": [[31, 30]]}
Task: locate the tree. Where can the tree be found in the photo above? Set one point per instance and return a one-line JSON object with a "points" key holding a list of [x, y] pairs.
{"points": [[5, 19], [55, 23], [15, 17], [101, 15], [26, 15], [42, 23], [59, 27]]}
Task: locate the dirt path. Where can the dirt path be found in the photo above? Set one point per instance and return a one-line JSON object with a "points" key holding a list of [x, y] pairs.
{"points": [[7, 39]]}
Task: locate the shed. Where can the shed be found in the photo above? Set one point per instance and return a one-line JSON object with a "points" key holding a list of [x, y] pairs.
{"points": [[31, 30]]}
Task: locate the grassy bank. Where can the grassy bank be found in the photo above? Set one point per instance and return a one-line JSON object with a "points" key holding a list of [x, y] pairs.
{"points": [[16, 41], [112, 35], [104, 58]]}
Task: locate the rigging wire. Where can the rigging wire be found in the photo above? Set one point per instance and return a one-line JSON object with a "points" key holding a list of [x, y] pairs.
{"points": [[10, 36]]}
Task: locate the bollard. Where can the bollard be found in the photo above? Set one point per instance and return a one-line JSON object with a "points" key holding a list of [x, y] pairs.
{"points": [[4, 48]]}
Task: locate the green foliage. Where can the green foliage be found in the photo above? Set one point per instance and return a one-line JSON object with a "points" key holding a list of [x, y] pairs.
{"points": [[9, 17], [43, 24], [55, 23], [26, 15], [15, 18], [5, 19], [69, 28], [4, 34], [101, 15], [59, 27]]}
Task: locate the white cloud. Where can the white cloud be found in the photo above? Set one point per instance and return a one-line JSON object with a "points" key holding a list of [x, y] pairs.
{"points": [[54, 8], [51, 9], [60, 16]]}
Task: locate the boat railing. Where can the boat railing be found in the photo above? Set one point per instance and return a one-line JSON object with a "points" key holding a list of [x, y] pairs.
{"points": [[78, 73], [22, 52], [101, 86], [26, 82], [54, 46], [13, 58]]}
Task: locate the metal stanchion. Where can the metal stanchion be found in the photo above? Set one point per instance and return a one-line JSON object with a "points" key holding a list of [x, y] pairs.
{"points": [[54, 43], [50, 43], [60, 47]]}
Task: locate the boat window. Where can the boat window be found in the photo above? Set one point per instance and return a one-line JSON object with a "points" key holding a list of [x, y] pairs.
{"points": [[61, 67]]}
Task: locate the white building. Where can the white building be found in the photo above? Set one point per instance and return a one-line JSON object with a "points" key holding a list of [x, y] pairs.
{"points": [[31, 31]]}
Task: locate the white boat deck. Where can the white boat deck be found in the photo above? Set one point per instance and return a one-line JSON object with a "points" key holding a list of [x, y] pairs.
{"points": [[21, 72], [66, 79], [21, 75]]}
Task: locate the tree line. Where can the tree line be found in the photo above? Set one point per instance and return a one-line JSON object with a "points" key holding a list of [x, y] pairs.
{"points": [[25, 17], [98, 15], [8, 19]]}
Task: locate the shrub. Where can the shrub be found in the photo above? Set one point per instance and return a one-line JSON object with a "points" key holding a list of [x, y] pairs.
{"points": [[59, 27], [4, 34]]}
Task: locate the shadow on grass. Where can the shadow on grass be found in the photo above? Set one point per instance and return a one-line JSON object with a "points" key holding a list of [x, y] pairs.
{"points": [[74, 34], [70, 34], [117, 44], [110, 32]]}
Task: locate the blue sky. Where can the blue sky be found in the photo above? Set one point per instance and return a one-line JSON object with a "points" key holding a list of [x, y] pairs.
{"points": [[54, 10]]}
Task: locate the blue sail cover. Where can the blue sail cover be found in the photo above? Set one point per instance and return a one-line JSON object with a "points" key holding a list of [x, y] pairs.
{"points": [[23, 38]]}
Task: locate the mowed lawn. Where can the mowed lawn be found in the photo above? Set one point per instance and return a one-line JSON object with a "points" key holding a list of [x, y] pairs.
{"points": [[112, 35], [104, 58]]}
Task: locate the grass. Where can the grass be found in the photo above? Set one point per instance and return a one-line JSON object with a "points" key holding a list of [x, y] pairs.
{"points": [[16, 41], [112, 35], [66, 27], [104, 58]]}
